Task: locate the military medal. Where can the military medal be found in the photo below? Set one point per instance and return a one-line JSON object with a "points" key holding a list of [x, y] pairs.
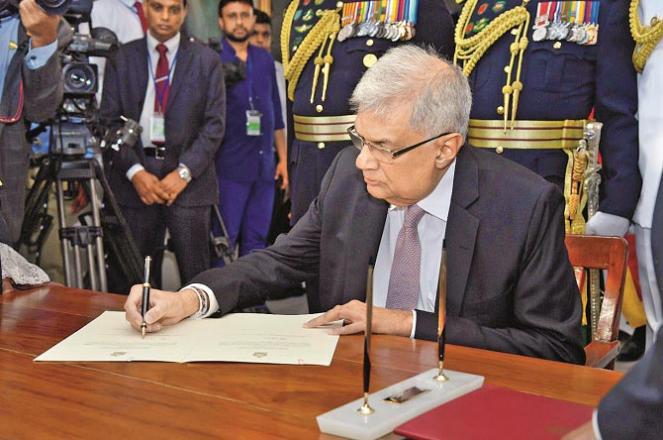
{"points": [[389, 19], [572, 21]]}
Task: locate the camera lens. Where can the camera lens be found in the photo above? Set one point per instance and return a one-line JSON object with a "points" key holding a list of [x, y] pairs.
{"points": [[54, 7], [80, 79]]}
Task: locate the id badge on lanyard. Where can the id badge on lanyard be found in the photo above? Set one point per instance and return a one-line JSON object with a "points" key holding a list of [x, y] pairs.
{"points": [[157, 128], [253, 116], [253, 123]]}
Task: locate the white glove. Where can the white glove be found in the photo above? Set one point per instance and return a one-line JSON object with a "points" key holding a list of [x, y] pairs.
{"points": [[607, 224]]}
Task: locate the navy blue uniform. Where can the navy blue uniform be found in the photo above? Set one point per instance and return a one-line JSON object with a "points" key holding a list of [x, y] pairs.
{"points": [[566, 81], [308, 161]]}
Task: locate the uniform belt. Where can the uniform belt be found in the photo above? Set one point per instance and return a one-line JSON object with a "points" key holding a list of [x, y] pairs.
{"points": [[323, 128], [526, 135], [157, 152]]}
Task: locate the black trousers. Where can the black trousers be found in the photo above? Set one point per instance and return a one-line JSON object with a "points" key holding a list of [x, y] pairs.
{"points": [[189, 231]]}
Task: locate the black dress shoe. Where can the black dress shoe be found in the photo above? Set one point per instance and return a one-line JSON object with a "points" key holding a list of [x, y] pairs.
{"points": [[634, 347]]}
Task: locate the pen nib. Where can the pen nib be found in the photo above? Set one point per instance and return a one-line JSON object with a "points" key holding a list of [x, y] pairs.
{"points": [[143, 328]]}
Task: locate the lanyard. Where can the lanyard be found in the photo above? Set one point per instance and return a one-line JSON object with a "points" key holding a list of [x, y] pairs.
{"points": [[249, 77], [154, 79]]}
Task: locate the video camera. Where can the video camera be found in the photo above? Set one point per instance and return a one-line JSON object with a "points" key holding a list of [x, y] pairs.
{"points": [[233, 71], [51, 7]]}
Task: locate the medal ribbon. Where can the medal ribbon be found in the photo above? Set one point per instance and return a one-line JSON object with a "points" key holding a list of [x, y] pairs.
{"points": [[414, 8]]}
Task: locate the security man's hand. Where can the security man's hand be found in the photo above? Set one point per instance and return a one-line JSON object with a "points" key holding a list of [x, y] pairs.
{"points": [[166, 308], [353, 314], [41, 27], [149, 188], [282, 172], [172, 185]]}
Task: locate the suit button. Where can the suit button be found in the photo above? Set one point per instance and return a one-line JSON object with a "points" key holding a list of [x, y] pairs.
{"points": [[500, 110], [369, 60], [339, 4], [370, 42], [319, 108], [499, 150], [321, 145], [557, 45]]}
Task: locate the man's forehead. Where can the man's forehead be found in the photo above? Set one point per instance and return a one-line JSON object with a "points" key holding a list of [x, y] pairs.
{"points": [[234, 6], [166, 3], [378, 128]]}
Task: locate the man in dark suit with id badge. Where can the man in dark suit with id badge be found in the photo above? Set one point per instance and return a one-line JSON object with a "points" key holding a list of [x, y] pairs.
{"points": [[175, 88]]}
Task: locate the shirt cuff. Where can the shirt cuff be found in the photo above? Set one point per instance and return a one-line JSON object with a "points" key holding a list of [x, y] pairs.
{"points": [[414, 324], [213, 303], [595, 425], [39, 56], [131, 172]]}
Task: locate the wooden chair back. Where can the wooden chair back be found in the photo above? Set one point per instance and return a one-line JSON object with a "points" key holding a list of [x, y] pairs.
{"points": [[609, 254]]}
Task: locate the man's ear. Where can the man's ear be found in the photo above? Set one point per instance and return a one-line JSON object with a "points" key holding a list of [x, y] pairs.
{"points": [[447, 149], [220, 22]]}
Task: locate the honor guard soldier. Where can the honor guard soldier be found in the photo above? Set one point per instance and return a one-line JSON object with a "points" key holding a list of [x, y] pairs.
{"points": [[646, 22], [538, 69], [327, 45]]}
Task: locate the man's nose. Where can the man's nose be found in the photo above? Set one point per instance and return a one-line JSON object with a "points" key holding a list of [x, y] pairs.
{"points": [[365, 160]]}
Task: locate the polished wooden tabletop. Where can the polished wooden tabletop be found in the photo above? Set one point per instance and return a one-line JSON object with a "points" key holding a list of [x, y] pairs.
{"points": [[220, 400]]}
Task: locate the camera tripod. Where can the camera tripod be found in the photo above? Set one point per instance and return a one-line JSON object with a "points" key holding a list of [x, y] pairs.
{"points": [[83, 246]]}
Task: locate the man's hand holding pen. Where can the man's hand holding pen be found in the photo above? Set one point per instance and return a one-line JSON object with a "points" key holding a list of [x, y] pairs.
{"points": [[165, 308]]}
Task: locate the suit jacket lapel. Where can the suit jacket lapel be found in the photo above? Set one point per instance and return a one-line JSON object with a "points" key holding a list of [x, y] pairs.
{"points": [[462, 229], [10, 94], [369, 216], [181, 69], [141, 75]]}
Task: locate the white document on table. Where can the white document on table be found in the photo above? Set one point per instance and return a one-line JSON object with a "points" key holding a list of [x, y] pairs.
{"points": [[239, 337]]}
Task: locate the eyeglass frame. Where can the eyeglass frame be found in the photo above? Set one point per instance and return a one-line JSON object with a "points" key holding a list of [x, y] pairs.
{"points": [[352, 132]]}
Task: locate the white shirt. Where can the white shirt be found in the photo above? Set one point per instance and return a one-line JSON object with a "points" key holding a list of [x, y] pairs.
{"points": [[280, 83], [148, 105], [119, 16], [650, 117], [431, 230]]}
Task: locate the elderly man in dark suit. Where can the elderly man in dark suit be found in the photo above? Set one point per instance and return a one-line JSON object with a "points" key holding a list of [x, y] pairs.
{"points": [[31, 90], [410, 186], [175, 88]]}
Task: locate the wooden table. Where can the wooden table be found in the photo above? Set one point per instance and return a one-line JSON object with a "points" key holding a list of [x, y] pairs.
{"points": [[221, 400]]}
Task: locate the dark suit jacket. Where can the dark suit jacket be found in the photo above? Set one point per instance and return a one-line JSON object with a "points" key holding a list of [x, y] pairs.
{"points": [[634, 407], [510, 285], [195, 116], [42, 94]]}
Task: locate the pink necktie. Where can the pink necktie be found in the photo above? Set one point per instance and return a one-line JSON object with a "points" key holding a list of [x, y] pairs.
{"points": [[403, 291], [162, 85]]}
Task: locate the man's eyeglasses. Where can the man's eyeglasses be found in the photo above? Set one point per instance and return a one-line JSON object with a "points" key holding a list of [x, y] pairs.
{"points": [[381, 153]]}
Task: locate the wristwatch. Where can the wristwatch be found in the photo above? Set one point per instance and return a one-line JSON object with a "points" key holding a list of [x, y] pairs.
{"points": [[184, 172]]}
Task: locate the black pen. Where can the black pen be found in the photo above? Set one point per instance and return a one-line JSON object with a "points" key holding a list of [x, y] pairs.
{"points": [[366, 409], [442, 314], [146, 295]]}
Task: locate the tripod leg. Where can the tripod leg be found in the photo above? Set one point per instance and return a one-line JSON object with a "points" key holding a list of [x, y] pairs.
{"points": [[64, 242], [99, 240], [89, 250], [77, 265]]}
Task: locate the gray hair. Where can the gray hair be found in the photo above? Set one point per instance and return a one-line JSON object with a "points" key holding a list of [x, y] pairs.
{"points": [[436, 90]]}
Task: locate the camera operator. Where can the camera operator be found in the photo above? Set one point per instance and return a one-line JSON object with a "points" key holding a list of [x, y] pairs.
{"points": [[31, 81]]}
